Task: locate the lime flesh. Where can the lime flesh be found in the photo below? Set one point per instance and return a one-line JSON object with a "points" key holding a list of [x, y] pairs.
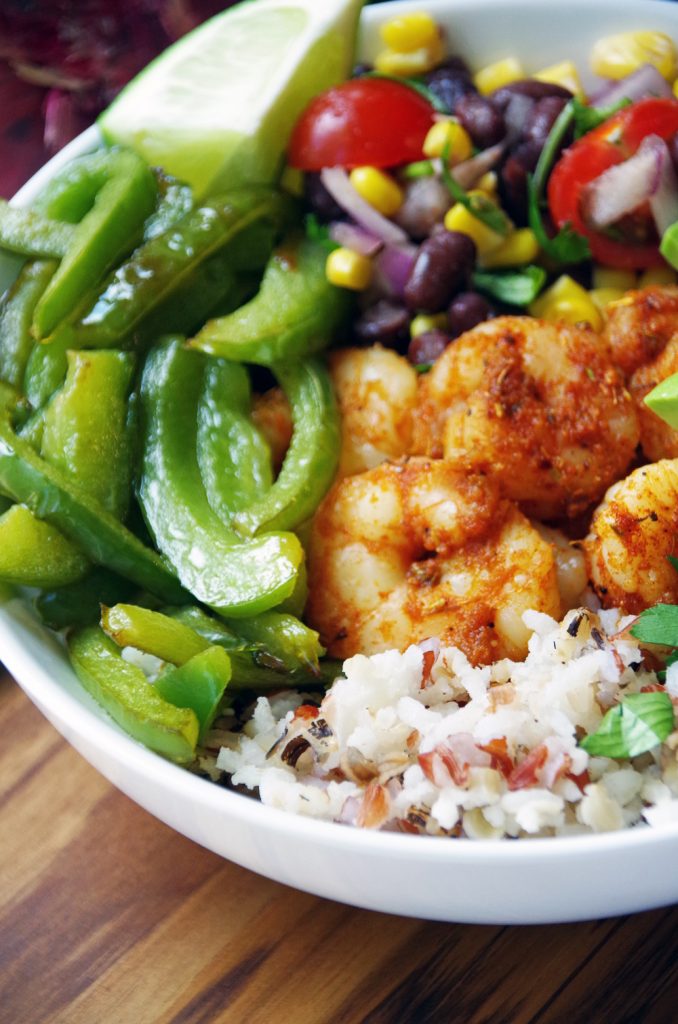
{"points": [[216, 109], [663, 400]]}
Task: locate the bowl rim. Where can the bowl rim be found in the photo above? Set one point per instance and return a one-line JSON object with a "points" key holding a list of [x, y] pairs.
{"points": [[47, 693]]}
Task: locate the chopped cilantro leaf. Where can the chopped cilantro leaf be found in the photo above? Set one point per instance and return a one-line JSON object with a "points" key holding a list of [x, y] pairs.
{"points": [[515, 287], [637, 724]]}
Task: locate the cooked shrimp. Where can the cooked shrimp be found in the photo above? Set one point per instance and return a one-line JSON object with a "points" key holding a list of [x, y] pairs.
{"points": [[415, 549], [377, 391], [640, 324], [570, 566], [632, 533], [658, 439], [539, 406], [272, 414]]}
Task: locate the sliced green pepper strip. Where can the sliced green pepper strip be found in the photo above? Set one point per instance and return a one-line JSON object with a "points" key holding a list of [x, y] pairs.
{"points": [[85, 427], [231, 576], [311, 460], [175, 200], [284, 637], [198, 684], [234, 459], [130, 625], [51, 495], [35, 554], [107, 232], [79, 604], [123, 690], [28, 233], [294, 314], [161, 268], [16, 317]]}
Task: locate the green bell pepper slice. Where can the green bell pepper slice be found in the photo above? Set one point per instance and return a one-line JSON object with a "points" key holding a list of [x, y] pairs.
{"points": [[311, 459], [166, 264], [109, 230], [231, 576], [35, 554], [284, 638], [234, 459], [16, 317], [125, 693], [199, 684], [51, 495], [28, 233], [130, 625], [175, 200], [85, 430], [79, 604], [294, 314]]}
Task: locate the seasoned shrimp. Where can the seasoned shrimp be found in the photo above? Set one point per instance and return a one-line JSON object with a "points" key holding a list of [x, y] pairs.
{"points": [[376, 390], [639, 325], [657, 438], [632, 533], [570, 565], [539, 406], [271, 413], [416, 549]]}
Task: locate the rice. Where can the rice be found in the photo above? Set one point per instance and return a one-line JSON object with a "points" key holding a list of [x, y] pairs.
{"points": [[425, 742]]}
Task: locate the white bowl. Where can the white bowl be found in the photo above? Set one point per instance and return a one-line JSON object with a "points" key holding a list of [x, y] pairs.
{"points": [[543, 880]]}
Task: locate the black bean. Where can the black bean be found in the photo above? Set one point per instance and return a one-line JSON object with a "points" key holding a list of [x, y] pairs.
{"points": [[443, 265], [513, 180], [426, 347], [531, 87], [450, 81], [482, 120], [362, 69], [466, 310], [541, 119], [384, 321], [319, 199]]}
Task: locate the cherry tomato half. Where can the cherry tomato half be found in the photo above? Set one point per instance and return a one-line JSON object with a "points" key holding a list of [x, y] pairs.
{"points": [[611, 143], [365, 121]]}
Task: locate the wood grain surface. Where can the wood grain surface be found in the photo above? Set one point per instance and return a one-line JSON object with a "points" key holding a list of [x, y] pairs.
{"points": [[106, 915]]}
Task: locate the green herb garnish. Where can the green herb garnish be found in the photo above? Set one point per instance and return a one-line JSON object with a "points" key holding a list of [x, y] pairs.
{"points": [[515, 287], [418, 169], [586, 118], [567, 246], [482, 208], [318, 232], [640, 722], [659, 624]]}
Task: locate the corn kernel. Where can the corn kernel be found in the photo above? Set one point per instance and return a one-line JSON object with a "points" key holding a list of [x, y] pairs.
{"points": [[675, 88], [656, 275], [566, 300], [348, 269], [610, 277], [409, 32], [488, 184], [602, 297], [564, 74], [619, 55], [459, 218], [451, 136], [408, 65], [377, 189], [423, 323], [496, 75], [520, 247]]}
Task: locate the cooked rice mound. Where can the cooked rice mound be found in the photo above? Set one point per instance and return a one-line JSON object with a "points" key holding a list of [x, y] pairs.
{"points": [[423, 742]]}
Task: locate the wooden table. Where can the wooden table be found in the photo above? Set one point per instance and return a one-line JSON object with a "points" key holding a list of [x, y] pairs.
{"points": [[108, 916]]}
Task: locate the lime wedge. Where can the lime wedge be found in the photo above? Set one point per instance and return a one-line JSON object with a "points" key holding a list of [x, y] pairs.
{"points": [[216, 109]]}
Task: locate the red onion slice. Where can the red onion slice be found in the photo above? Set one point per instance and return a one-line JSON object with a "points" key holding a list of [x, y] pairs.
{"points": [[353, 237], [469, 171], [623, 187], [646, 81], [664, 200], [518, 109], [336, 181], [393, 267]]}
